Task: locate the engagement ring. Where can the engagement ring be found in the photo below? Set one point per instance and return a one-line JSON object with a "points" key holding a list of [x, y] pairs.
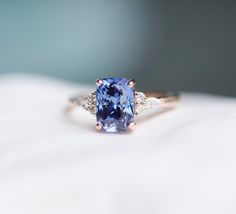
{"points": [[116, 103]]}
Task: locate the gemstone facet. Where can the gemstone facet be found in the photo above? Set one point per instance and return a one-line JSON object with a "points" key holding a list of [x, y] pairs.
{"points": [[114, 104]]}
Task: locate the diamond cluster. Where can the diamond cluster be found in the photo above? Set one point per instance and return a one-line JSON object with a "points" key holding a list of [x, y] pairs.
{"points": [[87, 103], [143, 103]]}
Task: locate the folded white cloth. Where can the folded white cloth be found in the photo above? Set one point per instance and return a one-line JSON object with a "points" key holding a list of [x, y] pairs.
{"points": [[183, 161]]}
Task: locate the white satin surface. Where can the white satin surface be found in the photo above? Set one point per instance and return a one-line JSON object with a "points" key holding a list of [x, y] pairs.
{"points": [[182, 161]]}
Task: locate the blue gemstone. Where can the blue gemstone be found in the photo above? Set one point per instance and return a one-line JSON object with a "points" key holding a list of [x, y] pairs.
{"points": [[114, 104]]}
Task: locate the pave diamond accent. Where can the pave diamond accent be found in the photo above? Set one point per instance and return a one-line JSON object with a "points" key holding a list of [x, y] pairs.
{"points": [[143, 103], [87, 103]]}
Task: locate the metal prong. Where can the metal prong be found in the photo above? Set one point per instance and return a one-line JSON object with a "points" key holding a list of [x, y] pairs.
{"points": [[131, 83], [98, 126], [99, 82], [131, 126]]}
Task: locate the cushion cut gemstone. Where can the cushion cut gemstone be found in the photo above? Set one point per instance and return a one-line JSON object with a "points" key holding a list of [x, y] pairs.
{"points": [[114, 104]]}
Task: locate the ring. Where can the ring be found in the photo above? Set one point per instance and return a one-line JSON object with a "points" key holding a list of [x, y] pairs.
{"points": [[116, 103]]}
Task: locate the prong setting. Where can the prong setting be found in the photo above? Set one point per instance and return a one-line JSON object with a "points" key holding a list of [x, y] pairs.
{"points": [[98, 126], [131, 126], [131, 83], [99, 82]]}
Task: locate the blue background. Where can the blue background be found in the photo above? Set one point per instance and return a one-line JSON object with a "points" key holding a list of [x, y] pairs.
{"points": [[181, 45]]}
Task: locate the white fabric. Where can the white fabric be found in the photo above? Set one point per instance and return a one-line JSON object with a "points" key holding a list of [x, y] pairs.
{"points": [[183, 161]]}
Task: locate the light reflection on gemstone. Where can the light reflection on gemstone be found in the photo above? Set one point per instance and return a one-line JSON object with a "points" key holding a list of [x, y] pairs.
{"points": [[114, 104]]}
